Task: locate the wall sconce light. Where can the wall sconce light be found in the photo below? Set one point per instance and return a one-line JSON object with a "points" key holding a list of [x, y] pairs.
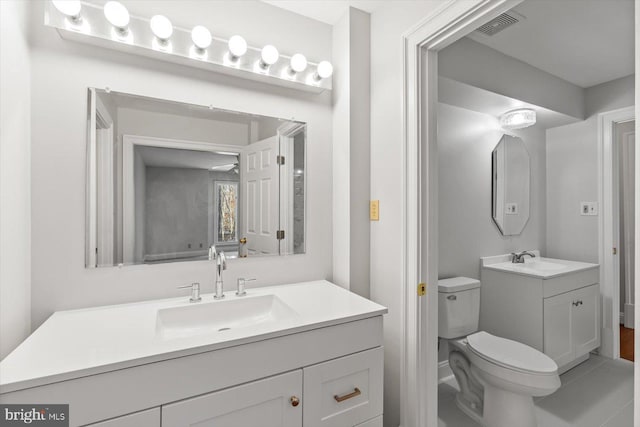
{"points": [[298, 63], [161, 28], [118, 16], [268, 56], [237, 47], [323, 71], [201, 37], [70, 8], [518, 119]]}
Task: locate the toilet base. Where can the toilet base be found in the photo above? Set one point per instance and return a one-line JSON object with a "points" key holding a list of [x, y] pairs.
{"points": [[507, 409], [501, 409]]}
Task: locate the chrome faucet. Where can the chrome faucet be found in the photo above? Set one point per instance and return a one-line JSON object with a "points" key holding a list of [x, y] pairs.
{"points": [[220, 265], [518, 258], [195, 291]]}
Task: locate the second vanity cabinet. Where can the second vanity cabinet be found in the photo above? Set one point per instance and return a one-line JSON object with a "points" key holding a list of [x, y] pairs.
{"points": [[553, 306], [572, 324]]}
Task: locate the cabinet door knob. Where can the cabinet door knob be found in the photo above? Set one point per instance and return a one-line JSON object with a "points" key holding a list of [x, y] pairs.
{"points": [[295, 401]]}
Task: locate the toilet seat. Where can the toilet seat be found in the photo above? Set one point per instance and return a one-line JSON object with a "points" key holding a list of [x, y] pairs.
{"points": [[511, 354]]}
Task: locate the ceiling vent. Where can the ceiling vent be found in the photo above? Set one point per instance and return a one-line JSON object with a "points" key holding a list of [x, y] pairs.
{"points": [[498, 24]]}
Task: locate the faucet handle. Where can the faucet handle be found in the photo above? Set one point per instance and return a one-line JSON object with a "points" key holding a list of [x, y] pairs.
{"points": [[241, 282], [195, 291]]}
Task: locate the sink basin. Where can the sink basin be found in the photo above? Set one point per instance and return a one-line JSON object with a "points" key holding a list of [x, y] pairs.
{"points": [[540, 265], [221, 316]]}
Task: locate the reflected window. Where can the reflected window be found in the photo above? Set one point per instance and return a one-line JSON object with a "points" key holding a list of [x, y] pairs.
{"points": [[226, 199]]}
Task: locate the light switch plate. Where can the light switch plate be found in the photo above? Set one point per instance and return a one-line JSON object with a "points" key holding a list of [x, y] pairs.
{"points": [[589, 208], [374, 210]]}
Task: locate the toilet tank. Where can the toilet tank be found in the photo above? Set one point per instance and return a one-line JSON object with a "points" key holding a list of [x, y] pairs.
{"points": [[458, 307]]}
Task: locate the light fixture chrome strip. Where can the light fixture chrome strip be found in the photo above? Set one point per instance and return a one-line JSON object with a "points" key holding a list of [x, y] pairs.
{"points": [[91, 27]]}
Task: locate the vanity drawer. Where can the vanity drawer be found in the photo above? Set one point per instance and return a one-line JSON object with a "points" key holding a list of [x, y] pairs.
{"points": [[345, 391], [569, 282]]}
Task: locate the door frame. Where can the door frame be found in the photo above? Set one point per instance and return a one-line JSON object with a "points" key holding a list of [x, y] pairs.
{"points": [[607, 226], [419, 359]]}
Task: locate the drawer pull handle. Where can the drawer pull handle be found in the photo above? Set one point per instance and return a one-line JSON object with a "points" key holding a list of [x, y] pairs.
{"points": [[294, 401], [356, 392]]}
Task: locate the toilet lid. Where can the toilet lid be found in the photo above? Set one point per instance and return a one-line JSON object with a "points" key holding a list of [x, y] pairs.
{"points": [[510, 354]]}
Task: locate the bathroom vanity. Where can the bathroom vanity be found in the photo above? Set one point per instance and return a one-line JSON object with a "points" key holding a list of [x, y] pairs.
{"points": [[549, 304], [307, 354]]}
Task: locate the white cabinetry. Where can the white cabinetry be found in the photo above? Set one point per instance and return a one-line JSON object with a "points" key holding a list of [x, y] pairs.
{"points": [[248, 385], [345, 391], [272, 402], [148, 418], [559, 316], [572, 324]]}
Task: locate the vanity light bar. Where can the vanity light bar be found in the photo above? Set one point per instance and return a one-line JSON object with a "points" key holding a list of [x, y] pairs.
{"points": [[112, 27]]}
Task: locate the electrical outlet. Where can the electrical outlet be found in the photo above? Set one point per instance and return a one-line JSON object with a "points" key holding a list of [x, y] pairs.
{"points": [[511, 209], [589, 208]]}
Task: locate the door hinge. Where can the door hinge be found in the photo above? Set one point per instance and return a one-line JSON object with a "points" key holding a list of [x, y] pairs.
{"points": [[280, 160], [280, 234], [615, 251], [422, 289]]}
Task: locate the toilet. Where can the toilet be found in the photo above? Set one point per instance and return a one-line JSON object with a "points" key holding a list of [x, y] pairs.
{"points": [[498, 377]]}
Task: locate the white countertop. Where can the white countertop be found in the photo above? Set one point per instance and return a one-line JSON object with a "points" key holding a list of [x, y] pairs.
{"points": [[77, 343], [538, 267]]}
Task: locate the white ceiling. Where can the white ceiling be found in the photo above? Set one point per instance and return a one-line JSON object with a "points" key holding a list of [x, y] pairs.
{"points": [[327, 11], [586, 42]]}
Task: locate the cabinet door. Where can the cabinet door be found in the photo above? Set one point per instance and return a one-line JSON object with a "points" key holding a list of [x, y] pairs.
{"points": [[558, 328], [148, 418], [586, 320], [264, 403]]}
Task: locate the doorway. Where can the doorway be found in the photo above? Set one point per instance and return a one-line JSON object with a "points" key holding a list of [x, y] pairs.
{"points": [[422, 43], [624, 214]]}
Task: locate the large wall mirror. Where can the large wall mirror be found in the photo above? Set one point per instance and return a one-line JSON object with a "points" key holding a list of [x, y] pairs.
{"points": [[511, 174], [166, 180]]}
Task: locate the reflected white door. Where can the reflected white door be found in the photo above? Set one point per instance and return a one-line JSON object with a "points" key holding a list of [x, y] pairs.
{"points": [[259, 179]]}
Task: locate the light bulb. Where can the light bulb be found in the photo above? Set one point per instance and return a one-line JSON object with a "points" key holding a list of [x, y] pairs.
{"points": [[201, 37], [269, 56], [324, 70], [161, 27], [237, 46], [117, 15], [71, 8], [298, 63]]}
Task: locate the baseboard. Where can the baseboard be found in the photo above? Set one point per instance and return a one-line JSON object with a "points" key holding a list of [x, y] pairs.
{"points": [[444, 371], [629, 315]]}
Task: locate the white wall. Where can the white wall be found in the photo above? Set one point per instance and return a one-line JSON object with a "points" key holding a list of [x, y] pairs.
{"points": [[62, 71], [388, 23], [572, 175], [351, 156], [15, 167], [467, 231]]}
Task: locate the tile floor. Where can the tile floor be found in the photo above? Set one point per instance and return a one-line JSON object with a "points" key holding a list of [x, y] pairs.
{"points": [[596, 393]]}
